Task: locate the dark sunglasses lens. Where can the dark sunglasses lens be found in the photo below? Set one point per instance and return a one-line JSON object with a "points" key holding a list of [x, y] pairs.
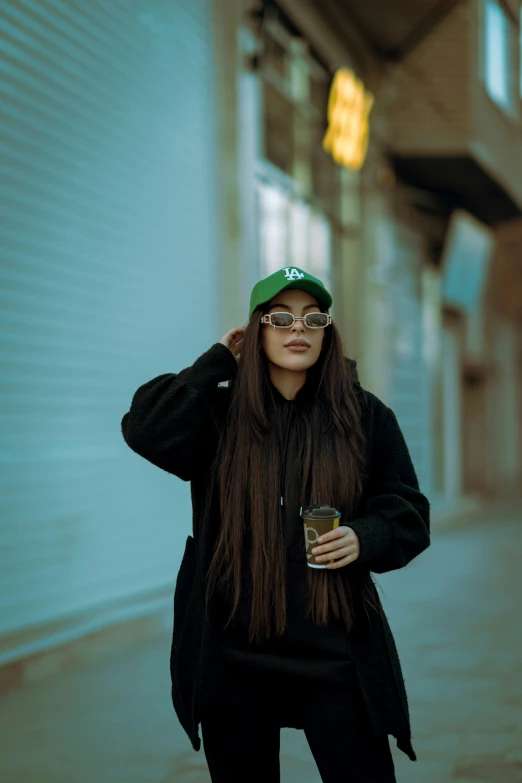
{"points": [[316, 320], [281, 319]]}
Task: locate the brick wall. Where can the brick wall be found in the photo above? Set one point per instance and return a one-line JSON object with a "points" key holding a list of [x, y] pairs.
{"points": [[497, 144], [435, 101], [428, 97]]}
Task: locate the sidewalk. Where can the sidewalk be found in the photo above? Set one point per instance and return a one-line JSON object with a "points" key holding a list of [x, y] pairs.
{"points": [[455, 614]]}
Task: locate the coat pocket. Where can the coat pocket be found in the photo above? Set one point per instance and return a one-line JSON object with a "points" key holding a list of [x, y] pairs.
{"points": [[180, 641], [184, 583]]}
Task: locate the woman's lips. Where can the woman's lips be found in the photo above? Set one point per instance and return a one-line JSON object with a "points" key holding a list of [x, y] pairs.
{"points": [[297, 348]]}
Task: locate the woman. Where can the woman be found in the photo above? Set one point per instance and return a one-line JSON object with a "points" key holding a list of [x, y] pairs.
{"points": [[261, 640]]}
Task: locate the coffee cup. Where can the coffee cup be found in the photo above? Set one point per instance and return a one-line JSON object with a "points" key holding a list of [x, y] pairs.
{"points": [[318, 520]]}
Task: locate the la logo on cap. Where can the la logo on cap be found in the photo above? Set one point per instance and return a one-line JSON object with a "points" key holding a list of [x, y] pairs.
{"points": [[291, 273]]}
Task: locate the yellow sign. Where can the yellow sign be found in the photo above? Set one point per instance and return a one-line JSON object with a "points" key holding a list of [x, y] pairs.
{"points": [[349, 107]]}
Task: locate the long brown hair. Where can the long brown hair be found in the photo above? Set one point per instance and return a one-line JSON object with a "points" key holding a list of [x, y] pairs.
{"points": [[248, 473]]}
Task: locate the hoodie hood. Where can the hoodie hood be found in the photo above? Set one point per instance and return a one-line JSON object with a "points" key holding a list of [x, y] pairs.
{"points": [[352, 366], [303, 393]]}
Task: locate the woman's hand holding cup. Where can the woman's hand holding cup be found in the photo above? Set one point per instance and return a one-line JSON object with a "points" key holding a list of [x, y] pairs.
{"points": [[233, 339]]}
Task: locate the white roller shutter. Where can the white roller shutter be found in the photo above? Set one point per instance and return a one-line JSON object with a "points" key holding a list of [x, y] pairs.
{"points": [[106, 280]]}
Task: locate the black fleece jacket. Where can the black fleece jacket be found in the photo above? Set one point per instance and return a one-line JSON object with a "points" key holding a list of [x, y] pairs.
{"points": [[174, 422]]}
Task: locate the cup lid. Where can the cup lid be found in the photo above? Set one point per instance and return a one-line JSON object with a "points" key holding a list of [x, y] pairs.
{"points": [[316, 511]]}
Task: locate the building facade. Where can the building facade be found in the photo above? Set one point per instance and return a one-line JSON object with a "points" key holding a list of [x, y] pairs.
{"points": [[439, 195], [454, 116]]}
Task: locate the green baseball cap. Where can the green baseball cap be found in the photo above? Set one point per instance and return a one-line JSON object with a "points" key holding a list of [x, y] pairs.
{"points": [[288, 277]]}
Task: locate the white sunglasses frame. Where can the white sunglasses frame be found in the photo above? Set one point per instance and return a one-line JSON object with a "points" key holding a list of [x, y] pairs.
{"points": [[266, 320]]}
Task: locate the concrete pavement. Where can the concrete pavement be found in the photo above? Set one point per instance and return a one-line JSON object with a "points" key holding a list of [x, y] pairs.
{"points": [[455, 614]]}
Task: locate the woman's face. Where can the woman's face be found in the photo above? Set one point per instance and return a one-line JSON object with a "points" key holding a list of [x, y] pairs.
{"points": [[274, 342]]}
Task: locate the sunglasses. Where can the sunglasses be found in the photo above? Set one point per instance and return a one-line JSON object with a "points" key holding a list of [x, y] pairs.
{"points": [[286, 320]]}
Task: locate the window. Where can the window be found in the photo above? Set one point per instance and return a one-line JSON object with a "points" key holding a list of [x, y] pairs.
{"points": [[295, 87], [292, 232], [278, 141], [498, 53], [299, 196]]}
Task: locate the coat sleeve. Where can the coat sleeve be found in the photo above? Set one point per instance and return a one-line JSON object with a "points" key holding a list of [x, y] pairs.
{"points": [[171, 421], [395, 525]]}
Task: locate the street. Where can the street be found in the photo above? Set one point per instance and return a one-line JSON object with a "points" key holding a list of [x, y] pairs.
{"points": [[455, 614]]}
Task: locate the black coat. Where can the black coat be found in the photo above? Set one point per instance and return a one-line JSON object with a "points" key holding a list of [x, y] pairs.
{"points": [[174, 422]]}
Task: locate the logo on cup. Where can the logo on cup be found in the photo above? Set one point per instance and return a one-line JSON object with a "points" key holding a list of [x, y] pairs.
{"points": [[309, 539]]}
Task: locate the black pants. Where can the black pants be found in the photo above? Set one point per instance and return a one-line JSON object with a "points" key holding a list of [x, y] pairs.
{"points": [[241, 742]]}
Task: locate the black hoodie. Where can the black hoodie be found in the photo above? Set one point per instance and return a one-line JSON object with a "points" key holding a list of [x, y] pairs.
{"points": [[306, 658], [174, 422]]}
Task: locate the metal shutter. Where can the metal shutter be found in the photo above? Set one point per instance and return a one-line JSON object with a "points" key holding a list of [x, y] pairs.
{"points": [[408, 378], [108, 252]]}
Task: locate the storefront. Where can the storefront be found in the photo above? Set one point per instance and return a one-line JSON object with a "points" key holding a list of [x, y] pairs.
{"points": [[503, 342], [400, 316], [307, 204], [465, 361]]}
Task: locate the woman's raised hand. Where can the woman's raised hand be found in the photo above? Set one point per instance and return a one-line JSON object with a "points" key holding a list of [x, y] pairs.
{"points": [[233, 339]]}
